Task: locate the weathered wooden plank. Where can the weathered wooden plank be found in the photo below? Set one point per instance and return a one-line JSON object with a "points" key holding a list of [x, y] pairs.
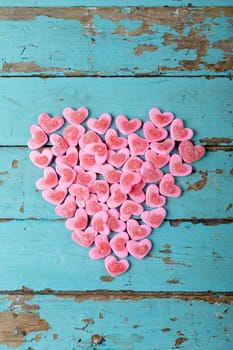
{"points": [[210, 183], [116, 41], [205, 105], [188, 257], [69, 3], [45, 322]]}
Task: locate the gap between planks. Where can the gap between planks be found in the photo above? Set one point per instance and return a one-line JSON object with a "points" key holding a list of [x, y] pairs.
{"points": [[106, 295]]}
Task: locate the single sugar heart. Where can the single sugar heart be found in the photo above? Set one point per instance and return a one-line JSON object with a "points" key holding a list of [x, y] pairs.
{"points": [[111, 184], [75, 117], [100, 125], [160, 119], [154, 218], [41, 159], [126, 126], [102, 248], [137, 231], [139, 249], [191, 153], [38, 139], [152, 133], [115, 267], [48, 124], [178, 132], [118, 244], [177, 167]]}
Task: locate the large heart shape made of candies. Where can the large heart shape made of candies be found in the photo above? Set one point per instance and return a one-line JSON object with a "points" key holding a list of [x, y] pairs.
{"points": [[109, 183]]}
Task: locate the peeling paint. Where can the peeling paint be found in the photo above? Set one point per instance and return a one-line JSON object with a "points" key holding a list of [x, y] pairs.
{"points": [[14, 164], [173, 281], [206, 222], [107, 278], [97, 339], [169, 261], [29, 67], [216, 141], [167, 249], [4, 172], [231, 172], [179, 341], [165, 330], [21, 209], [198, 185], [140, 49], [219, 171], [229, 206], [1, 182]]}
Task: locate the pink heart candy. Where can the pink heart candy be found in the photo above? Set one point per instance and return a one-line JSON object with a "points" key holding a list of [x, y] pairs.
{"points": [[178, 132], [133, 164], [83, 177], [139, 249], [136, 231], [117, 159], [49, 124], [75, 117], [68, 208], [115, 225], [89, 137], [93, 206], [136, 193], [154, 218], [152, 133], [168, 188], [67, 175], [130, 208], [81, 194], [158, 160], [189, 152], [55, 196], [100, 125], [72, 134], [150, 174], [70, 158], [38, 139], [111, 174], [127, 180], [79, 221], [87, 162], [138, 145], [102, 248], [49, 179], [126, 126], [84, 238], [99, 223], [41, 159], [101, 188], [115, 267], [177, 167], [118, 244], [117, 197], [98, 150], [164, 147], [113, 141], [60, 145], [160, 119], [153, 198]]}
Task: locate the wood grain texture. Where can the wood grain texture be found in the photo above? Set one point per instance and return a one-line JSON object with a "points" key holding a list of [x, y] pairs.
{"points": [[69, 3], [210, 183], [187, 257], [172, 324], [116, 41], [205, 105]]}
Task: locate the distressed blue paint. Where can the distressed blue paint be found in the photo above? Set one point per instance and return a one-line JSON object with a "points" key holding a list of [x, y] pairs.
{"points": [[18, 189], [204, 105], [125, 324], [41, 254], [68, 3], [60, 46]]}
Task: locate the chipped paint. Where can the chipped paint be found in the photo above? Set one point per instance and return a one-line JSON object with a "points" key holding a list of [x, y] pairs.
{"points": [[169, 261], [206, 222], [166, 249], [107, 278], [21, 209], [140, 49], [55, 336], [1, 182], [165, 330], [97, 339], [14, 163], [173, 281], [4, 172], [229, 206], [231, 172], [29, 67], [179, 341], [216, 141], [198, 185]]}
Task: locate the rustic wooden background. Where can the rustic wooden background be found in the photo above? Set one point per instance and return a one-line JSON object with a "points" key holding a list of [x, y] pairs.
{"points": [[122, 57]]}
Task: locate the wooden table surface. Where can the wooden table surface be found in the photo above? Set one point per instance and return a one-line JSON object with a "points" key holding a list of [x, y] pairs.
{"points": [[121, 57]]}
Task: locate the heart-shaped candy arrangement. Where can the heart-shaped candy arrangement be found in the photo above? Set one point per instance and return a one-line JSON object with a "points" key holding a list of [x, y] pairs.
{"points": [[107, 182]]}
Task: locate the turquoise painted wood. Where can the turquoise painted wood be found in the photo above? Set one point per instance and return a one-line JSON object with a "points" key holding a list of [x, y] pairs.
{"points": [[40, 254], [116, 41], [125, 324], [68, 3], [22, 200], [205, 105]]}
